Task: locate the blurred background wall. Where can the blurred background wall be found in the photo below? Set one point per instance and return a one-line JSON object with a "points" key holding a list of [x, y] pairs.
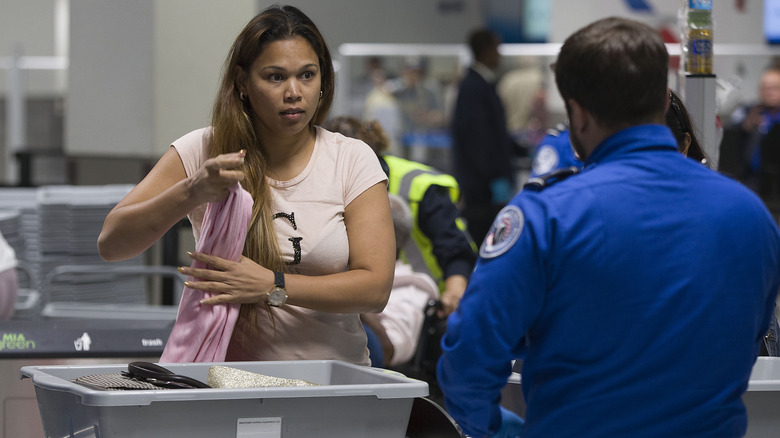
{"points": [[119, 80]]}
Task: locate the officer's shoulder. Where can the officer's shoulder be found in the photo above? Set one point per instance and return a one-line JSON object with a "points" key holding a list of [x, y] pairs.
{"points": [[552, 132], [557, 131], [504, 232], [541, 182]]}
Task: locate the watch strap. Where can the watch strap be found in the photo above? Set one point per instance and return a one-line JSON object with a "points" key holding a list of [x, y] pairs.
{"points": [[279, 279]]}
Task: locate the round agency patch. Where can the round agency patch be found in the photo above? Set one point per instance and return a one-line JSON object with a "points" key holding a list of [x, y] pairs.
{"points": [[503, 233], [546, 160]]}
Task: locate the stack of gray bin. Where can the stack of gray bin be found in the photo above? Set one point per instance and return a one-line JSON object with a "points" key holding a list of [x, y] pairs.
{"points": [[58, 231], [69, 221]]}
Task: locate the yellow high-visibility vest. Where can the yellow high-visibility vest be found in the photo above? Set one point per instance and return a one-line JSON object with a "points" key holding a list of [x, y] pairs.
{"points": [[410, 180]]}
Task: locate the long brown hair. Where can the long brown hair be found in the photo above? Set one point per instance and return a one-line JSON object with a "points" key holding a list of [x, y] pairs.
{"points": [[679, 121], [232, 121]]}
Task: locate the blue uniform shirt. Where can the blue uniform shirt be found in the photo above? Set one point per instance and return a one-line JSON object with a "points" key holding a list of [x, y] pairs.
{"points": [[554, 152], [637, 293]]}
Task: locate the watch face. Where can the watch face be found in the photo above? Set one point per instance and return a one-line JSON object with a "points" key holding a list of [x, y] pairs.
{"points": [[276, 297]]}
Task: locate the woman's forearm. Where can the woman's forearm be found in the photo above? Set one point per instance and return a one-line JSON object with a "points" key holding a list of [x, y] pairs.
{"points": [[158, 202], [361, 290], [356, 291], [132, 227], [162, 199]]}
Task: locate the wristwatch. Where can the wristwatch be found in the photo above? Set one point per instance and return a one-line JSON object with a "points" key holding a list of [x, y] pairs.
{"points": [[278, 295]]}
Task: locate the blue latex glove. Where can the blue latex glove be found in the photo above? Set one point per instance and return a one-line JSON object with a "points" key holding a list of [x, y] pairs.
{"points": [[511, 425], [500, 191]]}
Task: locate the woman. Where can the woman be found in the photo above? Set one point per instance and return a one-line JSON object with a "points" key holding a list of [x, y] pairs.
{"points": [[679, 121], [321, 215]]}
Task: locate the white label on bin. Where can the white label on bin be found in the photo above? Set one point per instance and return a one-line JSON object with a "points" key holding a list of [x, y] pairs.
{"points": [[268, 427]]}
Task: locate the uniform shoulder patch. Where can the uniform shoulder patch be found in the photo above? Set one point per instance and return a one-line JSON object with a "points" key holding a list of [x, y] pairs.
{"points": [[546, 159], [504, 232]]}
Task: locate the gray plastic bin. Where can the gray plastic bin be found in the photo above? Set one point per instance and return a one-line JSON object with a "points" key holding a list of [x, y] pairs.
{"points": [[351, 401], [762, 398]]}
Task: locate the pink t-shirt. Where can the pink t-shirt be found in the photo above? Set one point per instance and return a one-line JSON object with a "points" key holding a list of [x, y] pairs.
{"points": [[309, 221]]}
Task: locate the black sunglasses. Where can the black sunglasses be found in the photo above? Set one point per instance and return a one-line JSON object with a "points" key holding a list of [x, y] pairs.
{"points": [[161, 376]]}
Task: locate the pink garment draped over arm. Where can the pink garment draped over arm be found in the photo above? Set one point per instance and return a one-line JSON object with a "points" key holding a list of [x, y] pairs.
{"points": [[202, 332]]}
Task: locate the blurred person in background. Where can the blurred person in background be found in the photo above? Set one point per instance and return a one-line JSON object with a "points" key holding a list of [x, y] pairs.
{"points": [[482, 148], [422, 111], [752, 123], [554, 152], [524, 96], [9, 285], [381, 105]]}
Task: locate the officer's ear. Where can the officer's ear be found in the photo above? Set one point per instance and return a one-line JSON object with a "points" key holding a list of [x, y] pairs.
{"points": [[579, 117]]}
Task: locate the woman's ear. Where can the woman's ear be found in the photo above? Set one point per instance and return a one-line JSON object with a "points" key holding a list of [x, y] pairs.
{"points": [[686, 144], [668, 100], [240, 79]]}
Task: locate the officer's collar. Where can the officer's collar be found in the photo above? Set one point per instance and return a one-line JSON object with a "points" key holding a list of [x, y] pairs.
{"points": [[633, 139]]}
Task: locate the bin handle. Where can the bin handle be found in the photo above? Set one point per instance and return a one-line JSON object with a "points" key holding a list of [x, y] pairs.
{"points": [[42, 379]]}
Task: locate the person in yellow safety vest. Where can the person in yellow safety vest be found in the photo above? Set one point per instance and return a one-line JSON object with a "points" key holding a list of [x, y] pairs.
{"points": [[440, 244]]}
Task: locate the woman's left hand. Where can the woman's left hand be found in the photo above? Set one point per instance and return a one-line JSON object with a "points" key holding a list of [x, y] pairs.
{"points": [[231, 282]]}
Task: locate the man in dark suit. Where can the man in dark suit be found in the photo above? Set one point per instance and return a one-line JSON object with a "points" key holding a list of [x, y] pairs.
{"points": [[482, 148]]}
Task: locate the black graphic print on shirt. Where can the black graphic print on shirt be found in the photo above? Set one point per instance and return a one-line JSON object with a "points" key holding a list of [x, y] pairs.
{"points": [[296, 241]]}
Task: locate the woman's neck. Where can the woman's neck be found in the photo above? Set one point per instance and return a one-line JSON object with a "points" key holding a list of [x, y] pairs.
{"points": [[288, 156]]}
